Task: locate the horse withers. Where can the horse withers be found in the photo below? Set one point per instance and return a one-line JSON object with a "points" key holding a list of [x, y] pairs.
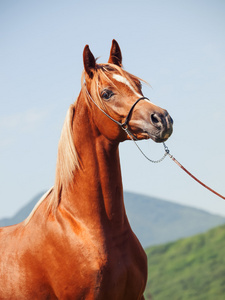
{"points": [[77, 243]]}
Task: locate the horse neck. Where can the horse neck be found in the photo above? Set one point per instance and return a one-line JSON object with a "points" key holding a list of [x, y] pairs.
{"points": [[96, 194]]}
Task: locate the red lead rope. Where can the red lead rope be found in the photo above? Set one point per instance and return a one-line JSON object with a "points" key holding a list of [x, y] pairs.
{"points": [[167, 152], [185, 170]]}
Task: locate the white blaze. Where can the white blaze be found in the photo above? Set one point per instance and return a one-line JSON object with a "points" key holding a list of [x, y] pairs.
{"points": [[125, 81]]}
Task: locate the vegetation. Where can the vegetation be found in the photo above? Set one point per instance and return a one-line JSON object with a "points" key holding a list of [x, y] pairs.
{"points": [[191, 268]]}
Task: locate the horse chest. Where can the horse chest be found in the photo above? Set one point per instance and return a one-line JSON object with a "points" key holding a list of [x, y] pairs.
{"points": [[110, 271], [122, 272]]}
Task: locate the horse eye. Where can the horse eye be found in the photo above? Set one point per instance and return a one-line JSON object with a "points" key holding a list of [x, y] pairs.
{"points": [[106, 94]]}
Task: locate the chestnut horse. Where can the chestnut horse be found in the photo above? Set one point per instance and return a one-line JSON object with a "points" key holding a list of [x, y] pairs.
{"points": [[77, 243]]}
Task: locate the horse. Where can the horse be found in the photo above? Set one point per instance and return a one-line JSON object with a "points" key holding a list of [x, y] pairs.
{"points": [[77, 242]]}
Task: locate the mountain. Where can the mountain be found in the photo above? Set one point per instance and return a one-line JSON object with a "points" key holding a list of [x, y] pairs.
{"points": [[22, 213], [156, 221], [153, 220], [191, 268]]}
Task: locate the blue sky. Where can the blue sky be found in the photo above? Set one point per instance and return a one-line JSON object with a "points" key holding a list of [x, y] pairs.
{"points": [[177, 46]]}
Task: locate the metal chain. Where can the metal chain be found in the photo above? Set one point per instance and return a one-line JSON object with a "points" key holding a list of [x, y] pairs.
{"points": [[134, 139]]}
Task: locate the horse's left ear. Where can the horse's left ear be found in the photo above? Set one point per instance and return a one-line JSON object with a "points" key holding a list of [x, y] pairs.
{"points": [[89, 61], [115, 54]]}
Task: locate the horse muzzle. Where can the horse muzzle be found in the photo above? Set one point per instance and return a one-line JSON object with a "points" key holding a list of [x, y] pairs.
{"points": [[160, 127]]}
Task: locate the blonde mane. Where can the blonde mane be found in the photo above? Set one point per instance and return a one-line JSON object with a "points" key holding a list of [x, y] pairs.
{"points": [[67, 159], [67, 163], [104, 71]]}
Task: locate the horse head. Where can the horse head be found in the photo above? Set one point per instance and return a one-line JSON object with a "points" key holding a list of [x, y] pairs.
{"points": [[118, 97]]}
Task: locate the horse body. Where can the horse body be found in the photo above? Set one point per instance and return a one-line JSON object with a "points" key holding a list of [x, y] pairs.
{"points": [[78, 243], [89, 247]]}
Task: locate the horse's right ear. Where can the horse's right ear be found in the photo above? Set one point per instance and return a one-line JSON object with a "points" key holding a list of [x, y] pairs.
{"points": [[89, 61]]}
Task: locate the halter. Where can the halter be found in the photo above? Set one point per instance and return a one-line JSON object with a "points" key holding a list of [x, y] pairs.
{"points": [[124, 126]]}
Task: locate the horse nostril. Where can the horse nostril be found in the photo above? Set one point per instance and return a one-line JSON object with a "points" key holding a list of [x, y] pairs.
{"points": [[155, 119]]}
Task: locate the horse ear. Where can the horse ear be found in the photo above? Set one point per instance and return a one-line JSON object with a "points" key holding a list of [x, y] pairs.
{"points": [[89, 61], [115, 54]]}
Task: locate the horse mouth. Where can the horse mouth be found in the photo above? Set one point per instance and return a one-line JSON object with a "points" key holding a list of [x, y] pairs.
{"points": [[157, 138], [160, 139]]}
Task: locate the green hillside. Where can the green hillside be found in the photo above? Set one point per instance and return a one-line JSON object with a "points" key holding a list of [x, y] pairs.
{"points": [[191, 268]]}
